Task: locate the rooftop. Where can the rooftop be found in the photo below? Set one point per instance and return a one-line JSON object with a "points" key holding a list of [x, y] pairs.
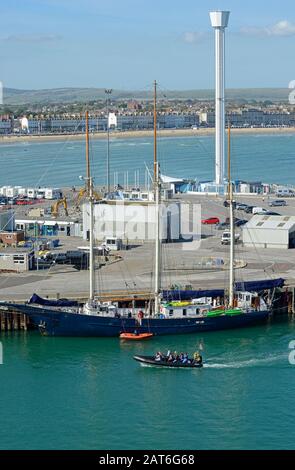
{"points": [[271, 222]]}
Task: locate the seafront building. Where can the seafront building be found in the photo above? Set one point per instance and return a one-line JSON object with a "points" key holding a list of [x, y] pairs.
{"points": [[239, 118], [252, 117], [97, 123]]}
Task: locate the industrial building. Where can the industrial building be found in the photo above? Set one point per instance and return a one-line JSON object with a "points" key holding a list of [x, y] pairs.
{"points": [[135, 221], [270, 231], [11, 238], [50, 228], [18, 260]]}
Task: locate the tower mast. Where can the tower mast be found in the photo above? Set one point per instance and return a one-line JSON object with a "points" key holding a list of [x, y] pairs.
{"points": [[219, 21]]}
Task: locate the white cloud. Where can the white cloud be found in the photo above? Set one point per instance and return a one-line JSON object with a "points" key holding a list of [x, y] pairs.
{"points": [[32, 38], [282, 28], [193, 37]]}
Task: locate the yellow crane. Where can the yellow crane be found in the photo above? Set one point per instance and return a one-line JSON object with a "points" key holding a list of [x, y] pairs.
{"points": [[83, 193], [55, 207]]}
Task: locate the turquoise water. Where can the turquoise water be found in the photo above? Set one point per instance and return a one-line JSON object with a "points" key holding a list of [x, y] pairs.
{"points": [[89, 393], [59, 393], [254, 157]]}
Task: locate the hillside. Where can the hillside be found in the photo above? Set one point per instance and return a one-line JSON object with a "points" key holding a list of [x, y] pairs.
{"points": [[79, 95]]}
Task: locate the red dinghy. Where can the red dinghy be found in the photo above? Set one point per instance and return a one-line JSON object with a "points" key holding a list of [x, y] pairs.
{"points": [[136, 336]]}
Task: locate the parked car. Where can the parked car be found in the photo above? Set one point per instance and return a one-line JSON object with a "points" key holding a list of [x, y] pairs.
{"points": [[249, 209], [271, 213], [227, 220], [11, 201], [277, 203], [225, 239], [24, 202], [211, 221], [241, 207], [222, 226], [240, 222]]}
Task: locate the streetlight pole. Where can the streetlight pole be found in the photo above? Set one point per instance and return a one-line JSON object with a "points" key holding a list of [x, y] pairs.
{"points": [[108, 92]]}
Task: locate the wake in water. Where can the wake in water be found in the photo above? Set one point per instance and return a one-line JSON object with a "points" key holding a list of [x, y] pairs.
{"points": [[256, 362], [271, 359]]}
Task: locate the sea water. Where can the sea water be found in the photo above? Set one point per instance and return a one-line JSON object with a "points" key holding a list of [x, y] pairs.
{"points": [[89, 393], [255, 157], [70, 393]]}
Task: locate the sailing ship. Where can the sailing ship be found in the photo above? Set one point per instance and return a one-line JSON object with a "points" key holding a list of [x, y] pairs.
{"points": [[98, 318]]}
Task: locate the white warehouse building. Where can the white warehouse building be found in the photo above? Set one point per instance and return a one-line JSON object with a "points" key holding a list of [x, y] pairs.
{"points": [[270, 231], [135, 221]]}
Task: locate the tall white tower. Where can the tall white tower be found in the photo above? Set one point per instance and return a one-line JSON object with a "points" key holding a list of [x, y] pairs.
{"points": [[219, 21]]}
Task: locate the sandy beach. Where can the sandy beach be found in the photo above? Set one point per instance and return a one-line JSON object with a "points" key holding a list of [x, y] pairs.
{"points": [[140, 134]]}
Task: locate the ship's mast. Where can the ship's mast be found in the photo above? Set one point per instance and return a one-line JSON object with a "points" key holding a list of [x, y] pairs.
{"points": [[157, 191], [87, 152], [89, 189], [232, 230], [155, 133]]}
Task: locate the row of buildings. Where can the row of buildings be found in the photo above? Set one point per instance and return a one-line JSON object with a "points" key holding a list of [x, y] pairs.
{"points": [[143, 120], [67, 124], [251, 118], [21, 239]]}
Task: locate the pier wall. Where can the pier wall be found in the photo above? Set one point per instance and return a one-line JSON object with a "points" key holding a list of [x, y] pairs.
{"points": [[12, 321]]}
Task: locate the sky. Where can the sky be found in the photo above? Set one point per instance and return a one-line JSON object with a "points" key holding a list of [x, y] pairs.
{"points": [[126, 44]]}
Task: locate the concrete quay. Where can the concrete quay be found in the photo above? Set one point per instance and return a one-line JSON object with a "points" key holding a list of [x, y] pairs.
{"points": [[182, 263]]}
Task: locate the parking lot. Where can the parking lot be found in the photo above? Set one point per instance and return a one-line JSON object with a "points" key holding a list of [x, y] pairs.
{"points": [[182, 263]]}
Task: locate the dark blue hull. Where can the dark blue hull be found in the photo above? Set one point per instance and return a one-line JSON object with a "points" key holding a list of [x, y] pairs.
{"points": [[60, 323]]}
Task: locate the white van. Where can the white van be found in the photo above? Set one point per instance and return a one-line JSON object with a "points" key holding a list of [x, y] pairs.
{"points": [[31, 193], [225, 239], [11, 191], [113, 243], [53, 193], [259, 210], [41, 193]]}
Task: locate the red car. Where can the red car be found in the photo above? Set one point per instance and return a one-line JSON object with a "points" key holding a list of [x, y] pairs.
{"points": [[211, 221], [23, 202]]}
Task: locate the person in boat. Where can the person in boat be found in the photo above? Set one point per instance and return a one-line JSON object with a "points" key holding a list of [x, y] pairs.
{"points": [[197, 357], [170, 358], [158, 356], [185, 358], [140, 316]]}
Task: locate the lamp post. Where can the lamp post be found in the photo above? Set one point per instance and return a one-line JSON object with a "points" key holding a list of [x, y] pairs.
{"points": [[108, 92]]}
